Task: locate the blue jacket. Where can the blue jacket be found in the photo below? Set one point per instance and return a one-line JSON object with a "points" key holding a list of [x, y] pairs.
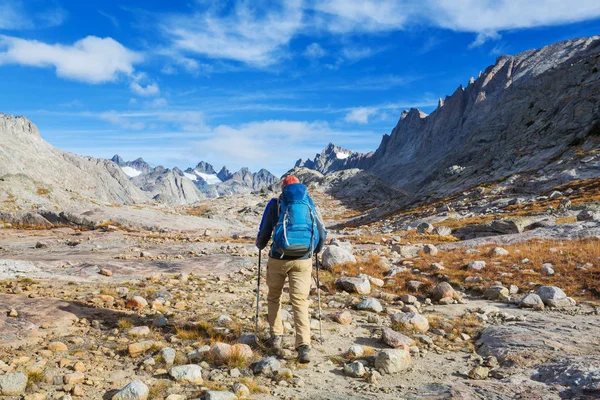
{"points": [[267, 225]]}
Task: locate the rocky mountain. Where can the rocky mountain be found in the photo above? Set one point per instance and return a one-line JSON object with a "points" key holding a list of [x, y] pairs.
{"points": [[182, 187], [534, 117], [331, 159], [33, 173]]}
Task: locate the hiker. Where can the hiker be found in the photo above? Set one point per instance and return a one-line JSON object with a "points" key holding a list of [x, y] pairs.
{"points": [[297, 230]]}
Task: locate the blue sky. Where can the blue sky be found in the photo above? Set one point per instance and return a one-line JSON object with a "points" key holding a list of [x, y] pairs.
{"points": [[252, 83]]}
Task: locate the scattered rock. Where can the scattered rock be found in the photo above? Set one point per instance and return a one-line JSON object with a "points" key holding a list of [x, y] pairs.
{"points": [[190, 373], [532, 300], [391, 361], [136, 390], [553, 296], [219, 395], [476, 265], [443, 290], [430, 249], [343, 317], [411, 321], [395, 339], [105, 272], [137, 302], [370, 304], [13, 384], [424, 227], [334, 255], [354, 369], [479, 373], [266, 366], [356, 285], [498, 251]]}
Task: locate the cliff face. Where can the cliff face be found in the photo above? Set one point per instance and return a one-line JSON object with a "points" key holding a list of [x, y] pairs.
{"points": [[521, 114]]}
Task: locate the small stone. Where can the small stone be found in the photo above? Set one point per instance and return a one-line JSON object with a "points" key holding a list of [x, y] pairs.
{"points": [[135, 349], [41, 245], [266, 366], [168, 355], [547, 270], [343, 317], [355, 351], [74, 378], [479, 373], [476, 265], [137, 302], [430, 249], [424, 227], [139, 331], [219, 395], [241, 390], [57, 347], [13, 313], [136, 390], [105, 272], [354, 369], [497, 293], [498, 251], [220, 352]]}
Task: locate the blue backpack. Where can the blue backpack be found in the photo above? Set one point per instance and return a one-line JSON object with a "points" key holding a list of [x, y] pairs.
{"points": [[296, 233]]}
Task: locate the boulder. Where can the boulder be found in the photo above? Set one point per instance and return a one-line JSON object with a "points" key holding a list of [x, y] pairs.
{"points": [[553, 296], [430, 249], [396, 339], [354, 285], [497, 293], [343, 317], [334, 255], [411, 321], [532, 300], [443, 290], [391, 361], [498, 251], [219, 395], [370, 304], [266, 366]]}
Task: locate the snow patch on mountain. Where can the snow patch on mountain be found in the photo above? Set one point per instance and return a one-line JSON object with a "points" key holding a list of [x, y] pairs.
{"points": [[190, 176], [131, 172], [211, 179]]}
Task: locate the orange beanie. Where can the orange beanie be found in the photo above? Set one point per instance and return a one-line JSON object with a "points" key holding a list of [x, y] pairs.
{"points": [[288, 180]]}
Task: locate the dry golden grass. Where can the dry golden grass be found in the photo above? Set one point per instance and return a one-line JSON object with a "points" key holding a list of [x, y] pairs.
{"points": [[158, 390], [124, 324], [42, 191], [253, 386], [199, 211], [237, 359], [566, 220], [459, 223], [566, 256]]}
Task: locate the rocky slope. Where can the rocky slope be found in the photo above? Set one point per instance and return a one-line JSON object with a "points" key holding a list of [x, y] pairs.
{"points": [[34, 173], [536, 114]]}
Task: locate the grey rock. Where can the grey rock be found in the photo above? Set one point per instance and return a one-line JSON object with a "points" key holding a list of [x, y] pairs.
{"points": [[407, 251], [442, 231], [190, 373], [391, 361], [532, 300], [354, 369], [497, 293], [553, 296], [476, 265], [168, 355], [370, 304], [334, 255], [266, 366], [219, 395], [136, 390], [13, 384], [354, 285], [424, 227]]}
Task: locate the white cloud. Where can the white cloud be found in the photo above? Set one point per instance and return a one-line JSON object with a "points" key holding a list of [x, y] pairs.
{"points": [[18, 15], [314, 51], [148, 90], [342, 16], [246, 35], [360, 115], [91, 60]]}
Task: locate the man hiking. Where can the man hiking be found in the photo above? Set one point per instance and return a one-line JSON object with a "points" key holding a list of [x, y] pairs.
{"points": [[297, 230]]}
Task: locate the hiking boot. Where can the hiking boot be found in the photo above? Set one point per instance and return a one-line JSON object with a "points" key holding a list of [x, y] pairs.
{"points": [[304, 354], [277, 343]]}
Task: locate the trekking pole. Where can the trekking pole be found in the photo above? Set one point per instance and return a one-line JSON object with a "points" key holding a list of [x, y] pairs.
{"points": [[319, 299], [257, 296]]}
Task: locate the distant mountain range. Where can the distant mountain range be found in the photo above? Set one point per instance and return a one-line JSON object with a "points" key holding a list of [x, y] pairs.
{"points": [[193, 184]]}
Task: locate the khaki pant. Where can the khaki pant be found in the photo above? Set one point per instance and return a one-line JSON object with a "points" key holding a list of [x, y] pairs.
{"points": [[299, 273]]}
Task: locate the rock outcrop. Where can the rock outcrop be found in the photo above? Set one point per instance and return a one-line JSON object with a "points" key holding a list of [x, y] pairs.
{"points": [[528, 113]]}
